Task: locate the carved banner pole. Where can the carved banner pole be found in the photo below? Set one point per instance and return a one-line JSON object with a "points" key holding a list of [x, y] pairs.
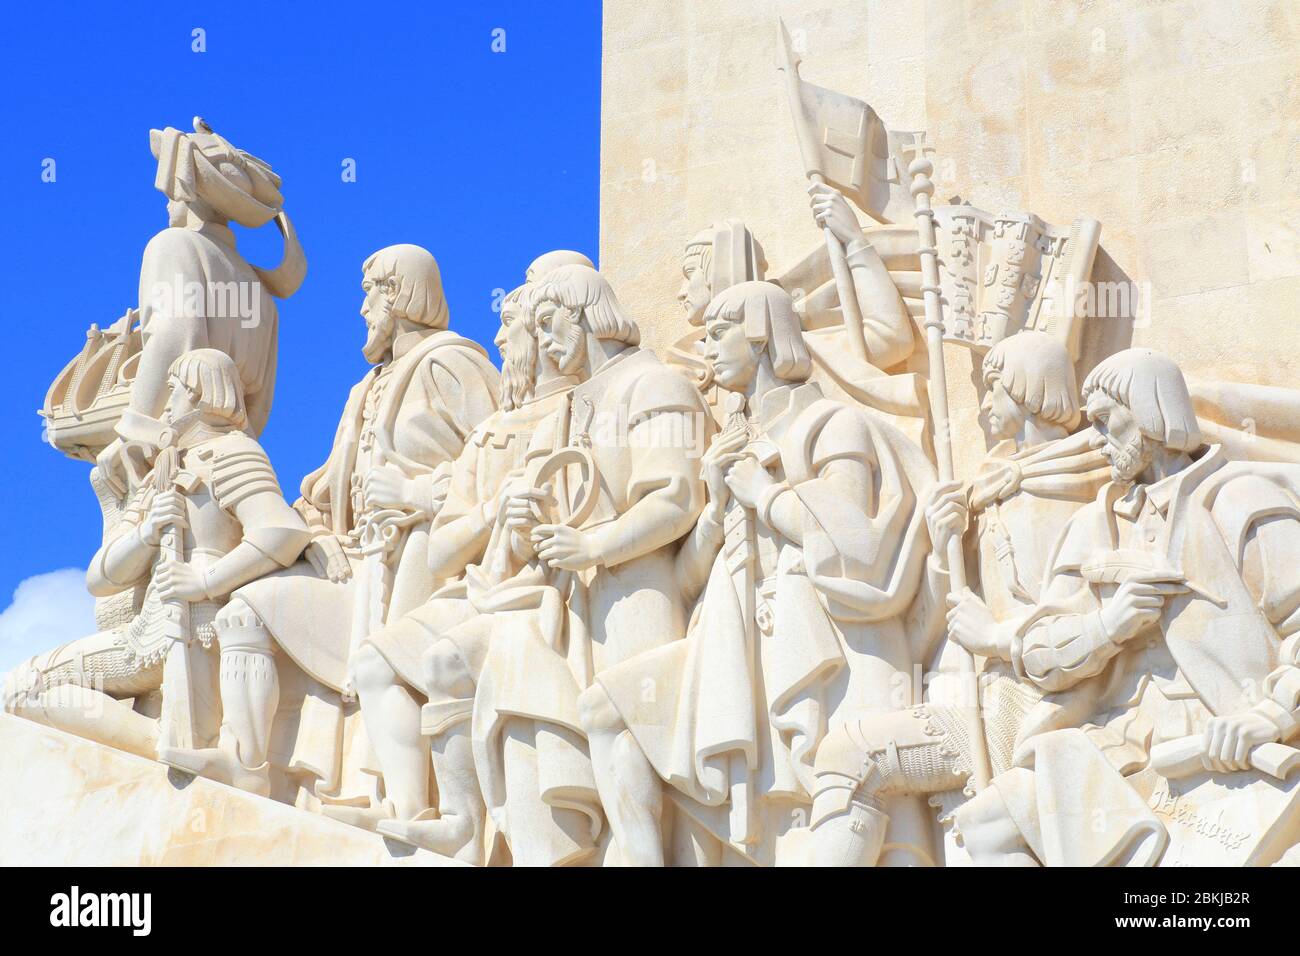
{"points": [[922, 188], [788, 64]]}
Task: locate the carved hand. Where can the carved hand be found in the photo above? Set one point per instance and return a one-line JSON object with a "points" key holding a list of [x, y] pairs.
{"points": [[1230, 739], [439, 495], [721, 454], [996, 483], [179, 581], [1135, 605], [830, 208], [521, 506], [563, 547], [167, 508], [972, 625], [325, 555], [386, 487], [945, 516], [112, 467], [747, 480]]}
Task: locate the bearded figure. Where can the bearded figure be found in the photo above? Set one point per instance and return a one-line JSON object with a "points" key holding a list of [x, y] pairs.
{"points": [[1034, 479], [369, 509], [416, 676], [1164, 642], [584, 572]]}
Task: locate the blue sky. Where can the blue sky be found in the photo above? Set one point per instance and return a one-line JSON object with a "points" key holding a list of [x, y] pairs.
{"points": [[484, 158]]}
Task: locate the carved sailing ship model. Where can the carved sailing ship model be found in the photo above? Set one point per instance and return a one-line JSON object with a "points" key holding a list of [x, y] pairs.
{"points": [[87, 397]]}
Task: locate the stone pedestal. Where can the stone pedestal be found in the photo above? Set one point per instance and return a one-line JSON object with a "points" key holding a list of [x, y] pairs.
{"points": [[67, 801]]}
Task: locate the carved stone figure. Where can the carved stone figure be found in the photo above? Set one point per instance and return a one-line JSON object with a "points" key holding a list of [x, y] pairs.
{"points": [[815, 598], [436, 650], [549, 261], [727, 253], [197, 291], [715, 259], [208, 518], [1162, 640], [1034, 479], [710, 606], [369, 509], [598, 583]]}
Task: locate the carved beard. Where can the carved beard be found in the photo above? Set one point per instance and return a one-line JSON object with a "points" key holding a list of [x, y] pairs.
{"points": [[575, 350], [518, 372], [1128, 462], [379, 338]]}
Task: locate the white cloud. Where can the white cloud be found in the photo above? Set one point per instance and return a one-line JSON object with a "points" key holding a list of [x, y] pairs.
{"points": [[47, 610]]}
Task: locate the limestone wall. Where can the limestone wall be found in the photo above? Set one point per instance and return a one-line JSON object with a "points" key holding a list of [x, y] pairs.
{"points": [[1175, 123]]}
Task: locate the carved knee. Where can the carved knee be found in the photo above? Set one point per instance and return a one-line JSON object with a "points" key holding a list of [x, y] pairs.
{"points": [[240, 629], [447, 672], [845, 774], [373, 672], [597, 713], [988, 831]]}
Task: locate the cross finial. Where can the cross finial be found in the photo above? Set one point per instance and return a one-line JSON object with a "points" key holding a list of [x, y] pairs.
{"points": [[919, 146]]}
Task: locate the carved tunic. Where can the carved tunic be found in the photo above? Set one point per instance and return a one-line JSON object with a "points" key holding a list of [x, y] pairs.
{"points": [[414, 414], [196, 291], [830, 613]]}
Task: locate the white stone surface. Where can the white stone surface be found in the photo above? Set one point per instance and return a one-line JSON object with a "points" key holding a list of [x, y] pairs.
{"points": [[69, 802], [861, 538]]}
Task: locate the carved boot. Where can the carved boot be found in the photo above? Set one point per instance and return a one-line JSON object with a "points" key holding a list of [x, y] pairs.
{"points": [[456, 828], [250, 694], [850, 838], [848, 826], [221, 763]]}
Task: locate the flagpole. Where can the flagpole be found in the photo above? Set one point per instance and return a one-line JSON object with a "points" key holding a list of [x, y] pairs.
{"points": [[850, 311], [922, 189]]}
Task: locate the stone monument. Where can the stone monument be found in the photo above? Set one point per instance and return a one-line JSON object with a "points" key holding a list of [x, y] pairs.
{"points": [[870, 505]]}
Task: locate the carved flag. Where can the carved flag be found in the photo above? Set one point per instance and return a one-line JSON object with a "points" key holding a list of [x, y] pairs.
{"points": [[842, 140]]}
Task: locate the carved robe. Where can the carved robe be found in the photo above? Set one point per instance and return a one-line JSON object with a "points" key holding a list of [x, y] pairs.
{"points": [[416, 413], [893, 382], [553, 630], [1233, 529], [500, 448], [194, 289], [1017, 527], [836, 618]]}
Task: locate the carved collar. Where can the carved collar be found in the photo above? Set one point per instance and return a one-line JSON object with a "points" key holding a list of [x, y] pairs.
{"points": [[785, 401], [611, 362], [407, 341], [1161, 493], [561, 383]]}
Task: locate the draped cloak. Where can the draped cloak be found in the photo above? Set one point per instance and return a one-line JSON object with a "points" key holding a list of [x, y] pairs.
{"points": [[552, 630], [434, 394], [1213, 645], [181, 274], [835, 604]]}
